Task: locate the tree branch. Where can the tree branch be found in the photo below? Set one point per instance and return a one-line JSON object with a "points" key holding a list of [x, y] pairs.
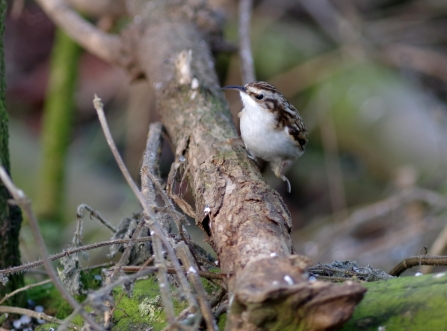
{"points": [[68, 252], [98, 8], [245, 221], [152, 217], [105, 46], [32, 313], [247, 67]]}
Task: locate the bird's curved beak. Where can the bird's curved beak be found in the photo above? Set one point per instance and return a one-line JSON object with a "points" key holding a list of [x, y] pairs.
{"points": [[235, 87]]}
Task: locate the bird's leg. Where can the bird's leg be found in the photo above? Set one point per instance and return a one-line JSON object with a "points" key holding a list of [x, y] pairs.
{"points": [[278, 167], [250, 155], [289, 187]]}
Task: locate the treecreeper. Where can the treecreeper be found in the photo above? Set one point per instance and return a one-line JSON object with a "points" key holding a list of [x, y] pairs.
{"points": [[271, 127]]}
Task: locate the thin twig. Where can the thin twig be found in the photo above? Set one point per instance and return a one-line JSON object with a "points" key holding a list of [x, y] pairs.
{"points": [[416, 58], [204, 274], [104, 291], [148, 184], [22, 200], [97, 42], [149, 181], [68, 252], [334, 279], [150, 158], [183, 314], [35, 314], [222, 309], [67, 321], [218, 297], [153, 147], [153, 224], [163, 283], [187, 260], [416, 261], [123, 280], [386, 206], [125, 256], [95, 214], [248, 70], [25, 288], [154, 144], [101, 265], [108, 135]]}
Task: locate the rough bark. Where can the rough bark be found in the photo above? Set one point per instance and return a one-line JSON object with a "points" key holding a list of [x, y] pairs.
{"points": [[10, 216]]}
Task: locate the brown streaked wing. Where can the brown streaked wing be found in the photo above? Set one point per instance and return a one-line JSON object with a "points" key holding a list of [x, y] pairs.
{"points": [[292, 118]]}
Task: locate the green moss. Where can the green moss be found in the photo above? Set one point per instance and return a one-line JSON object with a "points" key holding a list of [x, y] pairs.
{"points": [[209, 286], [49, 297], [143, 309], [407, 303], [221, 322], [47, 327], [89, 279]]}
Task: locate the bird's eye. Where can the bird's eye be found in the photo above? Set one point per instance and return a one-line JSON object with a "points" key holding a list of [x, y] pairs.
{"points": [[259, 96]]}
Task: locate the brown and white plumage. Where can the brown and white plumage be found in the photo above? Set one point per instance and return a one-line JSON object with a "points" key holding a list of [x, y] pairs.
{"points": [[271, 128]]}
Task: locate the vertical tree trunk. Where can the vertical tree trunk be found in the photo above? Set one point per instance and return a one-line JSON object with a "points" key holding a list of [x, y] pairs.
{"points": [[56, 131], [10, 216]]}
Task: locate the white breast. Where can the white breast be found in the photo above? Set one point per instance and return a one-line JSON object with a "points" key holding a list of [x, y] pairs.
{"points": [[260, 136]]}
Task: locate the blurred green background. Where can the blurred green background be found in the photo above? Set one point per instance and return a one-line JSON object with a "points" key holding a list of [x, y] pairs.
{"points": [[368, 77]]}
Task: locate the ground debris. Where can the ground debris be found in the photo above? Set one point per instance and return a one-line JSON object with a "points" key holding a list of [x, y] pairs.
{"points": [[347, 270]]}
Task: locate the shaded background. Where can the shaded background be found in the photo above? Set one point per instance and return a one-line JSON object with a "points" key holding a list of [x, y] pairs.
{"points": [[368, 78]]}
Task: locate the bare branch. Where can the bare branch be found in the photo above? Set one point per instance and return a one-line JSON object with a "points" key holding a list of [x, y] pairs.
{"points": [[418, 260], [163, 281], [97, 42], [148, 184], [22, 200], [68, 252], [387, 205], [25, 288], [188, 262], [153, 147], [149, 181], [95, 214], [151, 154], [98, 8], [125, 256], [204, 274], [428, 62], [153, 224], [248, 69], [35, 314]]}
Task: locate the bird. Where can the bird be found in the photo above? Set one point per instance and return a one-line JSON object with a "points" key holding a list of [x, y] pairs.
{"points": [[271, 127]]}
